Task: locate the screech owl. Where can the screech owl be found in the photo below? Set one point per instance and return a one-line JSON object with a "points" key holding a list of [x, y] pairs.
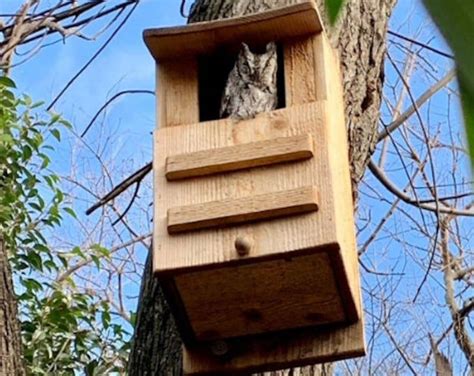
{"points": [[251, 87]]}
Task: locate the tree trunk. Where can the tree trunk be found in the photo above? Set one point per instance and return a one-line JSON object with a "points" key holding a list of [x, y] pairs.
{"points": [[10, 342], [359, 38]]}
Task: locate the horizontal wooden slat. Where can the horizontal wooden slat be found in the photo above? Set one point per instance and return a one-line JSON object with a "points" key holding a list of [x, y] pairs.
{"points": [[238, 157], [203, 37], [235, 211]]}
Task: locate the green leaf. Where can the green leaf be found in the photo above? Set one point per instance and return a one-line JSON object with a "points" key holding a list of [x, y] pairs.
{"points": [[5, 81], [467, 98], [56, 134], [34, 259], [78, 252], [5, 138], [54, 118], [100, 250], [133, 318], [71, 212], [455, 19], [65, 123], [96, 261], [333, 7], [37, 104], [106, 319], [32, 284], [63, 261]]}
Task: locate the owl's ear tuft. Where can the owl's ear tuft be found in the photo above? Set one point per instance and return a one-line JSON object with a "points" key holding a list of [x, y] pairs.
{"points": [[245, 49], [271, 47]]}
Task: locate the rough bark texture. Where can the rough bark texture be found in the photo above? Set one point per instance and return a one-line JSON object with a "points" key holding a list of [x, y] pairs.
{"points": [[360, 40], [157, 346], [11, 362]]}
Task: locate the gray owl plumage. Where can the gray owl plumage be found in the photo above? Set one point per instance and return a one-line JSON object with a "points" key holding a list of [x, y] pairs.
{"points": [[251, 87]]}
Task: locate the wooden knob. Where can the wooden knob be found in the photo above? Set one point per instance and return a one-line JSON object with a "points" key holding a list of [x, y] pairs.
{"points": [[219, 348], [243, 245]]}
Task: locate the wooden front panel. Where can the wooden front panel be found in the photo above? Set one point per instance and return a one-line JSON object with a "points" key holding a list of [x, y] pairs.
{"points": [[208, 248], [261, 297]]}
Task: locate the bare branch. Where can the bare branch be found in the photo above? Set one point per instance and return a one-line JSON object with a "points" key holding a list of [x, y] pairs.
{"points": [[98, 52], [74, 268], [118, 95], [419, 102], [458, 315], [380, 175], [136, 177], [424, 45]]}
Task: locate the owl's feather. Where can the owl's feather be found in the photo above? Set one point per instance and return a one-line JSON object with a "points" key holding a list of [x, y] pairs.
{"points": [[251, 87]]}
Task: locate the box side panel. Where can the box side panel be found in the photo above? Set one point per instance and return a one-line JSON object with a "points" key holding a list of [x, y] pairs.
{"points": [[340, 175]]}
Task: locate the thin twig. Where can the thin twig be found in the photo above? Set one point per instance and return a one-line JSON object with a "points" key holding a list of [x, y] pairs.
{"points": [[130, 204], [424, 45], [99, 51], [119, 94], [121, 187], [419, 102], [379, 174], [89, 260]]}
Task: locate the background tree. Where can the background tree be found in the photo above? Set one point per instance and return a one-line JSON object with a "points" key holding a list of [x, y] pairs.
{"points": [[360, 40]]}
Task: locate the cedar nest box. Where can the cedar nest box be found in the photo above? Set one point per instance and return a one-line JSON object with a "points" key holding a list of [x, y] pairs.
{"points": [[254, 242]]}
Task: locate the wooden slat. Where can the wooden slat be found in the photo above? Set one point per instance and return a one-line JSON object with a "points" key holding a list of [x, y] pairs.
{"points": [[239, 157], [242, 210], [203, 37]]}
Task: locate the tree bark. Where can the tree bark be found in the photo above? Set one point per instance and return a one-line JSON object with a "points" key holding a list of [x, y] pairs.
{"points": [[11, 362], [359, 37]]}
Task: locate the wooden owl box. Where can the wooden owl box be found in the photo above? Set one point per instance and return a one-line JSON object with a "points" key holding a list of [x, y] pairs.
{"points": [[254, 241]]}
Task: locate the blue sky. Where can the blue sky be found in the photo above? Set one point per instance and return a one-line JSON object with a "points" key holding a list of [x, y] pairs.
{"points": [[126, 64]]}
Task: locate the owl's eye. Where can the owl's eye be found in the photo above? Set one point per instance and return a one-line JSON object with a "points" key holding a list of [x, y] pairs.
{"points": [[245, 69]]}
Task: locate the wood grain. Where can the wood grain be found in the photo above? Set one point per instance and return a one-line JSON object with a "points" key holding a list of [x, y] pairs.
{"points": [[251, 299], [279, 351], [310, 346], [177, 92], [337, 140], [208, 248], [242, 210], [204, 37], [239, 157], [255, 293], [300, 81]]}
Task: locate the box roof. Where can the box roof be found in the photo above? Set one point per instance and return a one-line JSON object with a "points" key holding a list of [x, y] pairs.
{"points": [[203, 37]]}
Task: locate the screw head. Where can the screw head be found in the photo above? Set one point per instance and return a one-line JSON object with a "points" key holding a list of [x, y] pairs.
{"points": [[243, 245], [219, 348]]}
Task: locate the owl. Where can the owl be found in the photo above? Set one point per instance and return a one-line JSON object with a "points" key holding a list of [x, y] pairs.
{"points": [[251, 87]]}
